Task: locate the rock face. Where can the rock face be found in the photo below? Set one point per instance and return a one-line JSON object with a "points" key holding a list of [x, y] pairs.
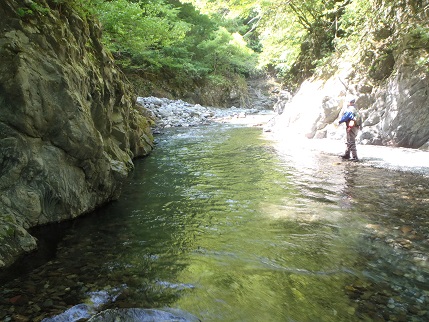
{"points": [[395, 111], [69, 126], [399, 114]]}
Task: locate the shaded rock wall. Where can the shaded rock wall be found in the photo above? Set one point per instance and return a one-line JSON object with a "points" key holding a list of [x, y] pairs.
{"points": [[204, 92], [258, 92], [69, 126]]}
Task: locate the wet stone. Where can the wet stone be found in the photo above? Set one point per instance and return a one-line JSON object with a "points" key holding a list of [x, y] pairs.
{"points": [[19, 300], [20, 318], [36, 308], [366, 295], [414, 309], [399, 317], [48, 303], [369, 306]]}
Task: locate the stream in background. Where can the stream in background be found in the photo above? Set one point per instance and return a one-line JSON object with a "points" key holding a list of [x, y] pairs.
{"points": [[218, 223]]}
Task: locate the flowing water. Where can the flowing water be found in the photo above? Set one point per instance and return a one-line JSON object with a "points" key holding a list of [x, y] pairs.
{"points": [[218, 223]]}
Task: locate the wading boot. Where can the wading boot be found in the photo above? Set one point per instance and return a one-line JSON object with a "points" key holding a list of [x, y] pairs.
{"points": [[354, 158], [345, 156]]}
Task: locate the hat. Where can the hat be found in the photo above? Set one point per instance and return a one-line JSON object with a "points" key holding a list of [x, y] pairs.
{"points": [[352, 101]]}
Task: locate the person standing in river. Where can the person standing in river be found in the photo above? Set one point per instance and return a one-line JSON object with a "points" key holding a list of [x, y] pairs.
{"points": [[352, 120]]}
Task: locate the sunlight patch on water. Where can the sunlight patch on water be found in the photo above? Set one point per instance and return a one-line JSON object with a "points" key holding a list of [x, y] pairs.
{"points": [[307, 212], [223, 224], [392, 158]]}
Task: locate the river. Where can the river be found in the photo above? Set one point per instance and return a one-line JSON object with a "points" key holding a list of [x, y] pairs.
{"points": [[220, 223]]}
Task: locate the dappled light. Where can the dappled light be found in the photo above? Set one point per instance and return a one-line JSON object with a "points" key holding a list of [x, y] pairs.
{"points": [[221, 224], [201, 143]]}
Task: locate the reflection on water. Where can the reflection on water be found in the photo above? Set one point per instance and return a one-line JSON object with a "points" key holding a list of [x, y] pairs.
{"points": [[218, 223]]}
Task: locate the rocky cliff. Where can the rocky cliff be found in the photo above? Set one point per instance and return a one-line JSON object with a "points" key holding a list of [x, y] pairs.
{"points": [[389, 77], [69, 126]]}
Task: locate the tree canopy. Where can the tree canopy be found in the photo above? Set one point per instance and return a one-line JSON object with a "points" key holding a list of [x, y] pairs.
{"points": [[200, 39]]}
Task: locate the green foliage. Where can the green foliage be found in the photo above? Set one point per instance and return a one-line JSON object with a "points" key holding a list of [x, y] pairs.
{"points": [[379, 29], [297, 36], [419, 41], [423, 62], [352, 23], [32, 8], [23, 12], [191, 40], [226, 53], [291, 36], [420, 37], [135, 27], [171, 37], [83, 7]]}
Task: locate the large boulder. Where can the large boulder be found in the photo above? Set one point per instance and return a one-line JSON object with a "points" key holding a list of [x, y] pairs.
{"points": [[312, 111], [69, 126]]}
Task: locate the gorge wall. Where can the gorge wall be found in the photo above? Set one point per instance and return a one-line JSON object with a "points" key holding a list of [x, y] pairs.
{"points": [[69, 126], [390, 86]]}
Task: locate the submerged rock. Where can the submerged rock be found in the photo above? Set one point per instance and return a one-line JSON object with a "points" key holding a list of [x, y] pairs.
{"points": [[84, 312], [143, 315], [75, 313]]}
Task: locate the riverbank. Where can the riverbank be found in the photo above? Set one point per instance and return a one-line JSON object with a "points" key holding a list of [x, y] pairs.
{"points": [[176, 113]]}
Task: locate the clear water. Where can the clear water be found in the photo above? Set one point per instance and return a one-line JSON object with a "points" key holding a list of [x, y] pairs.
{"points": [[218, 223]]}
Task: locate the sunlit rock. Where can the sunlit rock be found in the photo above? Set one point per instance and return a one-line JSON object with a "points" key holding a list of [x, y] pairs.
{"points": [[395, 112]]}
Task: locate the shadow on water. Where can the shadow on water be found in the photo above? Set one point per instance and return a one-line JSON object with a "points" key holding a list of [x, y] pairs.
{"points": [[219, 223], [48, 237], [394, 280]]}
